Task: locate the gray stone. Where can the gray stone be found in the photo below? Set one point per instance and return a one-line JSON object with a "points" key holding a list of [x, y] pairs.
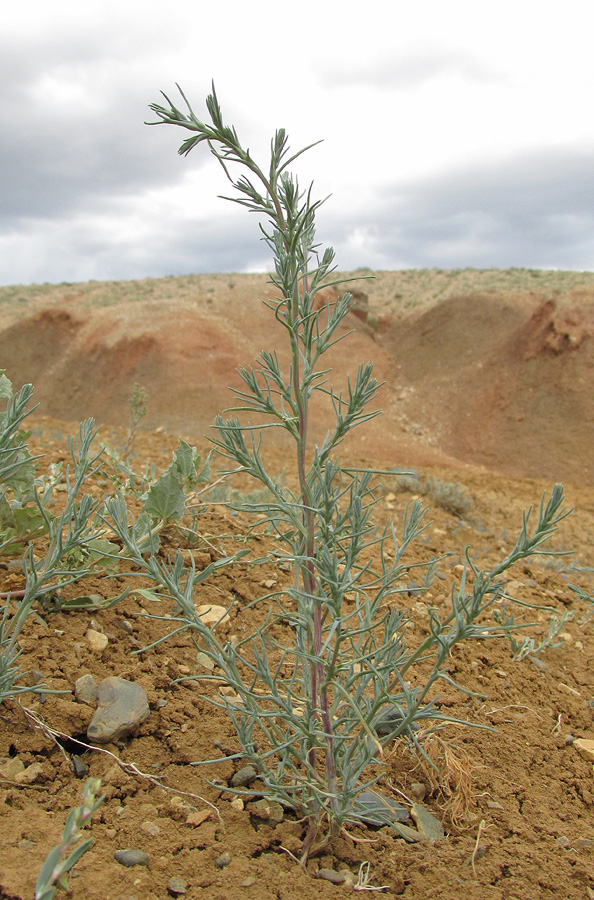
{"points": [[332, 876], [244, 777], [85, 690], [122, 708], [80, 768], [223, 860], [132, 858], [375, 809], [177, 886]]}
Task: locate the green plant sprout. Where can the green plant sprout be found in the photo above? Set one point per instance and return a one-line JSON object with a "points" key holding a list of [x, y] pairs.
{"points": [[137, 403], [66, 854], [314, 710]]}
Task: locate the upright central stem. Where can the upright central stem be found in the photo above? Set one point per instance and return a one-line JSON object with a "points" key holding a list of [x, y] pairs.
{"points": [[319, 693]]}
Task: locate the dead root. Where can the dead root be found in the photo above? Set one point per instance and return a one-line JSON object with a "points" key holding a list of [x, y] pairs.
{"points": [[451, 779]]}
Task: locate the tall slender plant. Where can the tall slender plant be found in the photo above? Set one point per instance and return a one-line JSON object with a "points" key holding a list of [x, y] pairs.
{"points": [[313, 717]]}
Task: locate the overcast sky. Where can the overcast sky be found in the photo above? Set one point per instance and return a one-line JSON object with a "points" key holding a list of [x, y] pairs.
{"points": [[456, 133]]}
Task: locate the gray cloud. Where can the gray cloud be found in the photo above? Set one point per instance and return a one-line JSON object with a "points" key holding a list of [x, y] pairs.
{"points": [[72, 125], [77, 162], [535, 210]]}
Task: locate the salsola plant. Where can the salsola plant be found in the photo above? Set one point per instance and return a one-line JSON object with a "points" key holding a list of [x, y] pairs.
{"points": [[313, 713], [73, 540], [65, 855]]}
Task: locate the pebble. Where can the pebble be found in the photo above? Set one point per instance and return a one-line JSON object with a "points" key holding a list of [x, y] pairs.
{"points": [[177, 886], [268, 811], [122, 708], [132, 858], [389, 719], [11, 767], [211, 614], [80, 768], [198, 817], [583, 843], [29, 775], [585, 748], [332, 876], [151, 828], [203, 660], [418, 790], [249, 881], [85, 690], [97, 640], [244, 777], [375, 809], [427, 824], [25, 844], [223, 860]]}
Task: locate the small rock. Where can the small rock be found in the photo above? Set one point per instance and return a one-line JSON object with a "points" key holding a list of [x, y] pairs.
{"points": [[132, 858], [389, 719], [122, 708], [203, 660], [268, 811], [249, 881], [427, 824], [126, 626], [418, 790], [198, 817], [331, 876], [569, 740], [585, 748], [583, 843], [80, 768], [97, 640], [223, 860], [244, 777], [85, 690], [29, 775], [492, 804], [179, 808], [11, 767], [348, 877], [151, 829], [25, 844], [177, 886], [211, 614], [238, 804], [563, 841], [375, 809]]}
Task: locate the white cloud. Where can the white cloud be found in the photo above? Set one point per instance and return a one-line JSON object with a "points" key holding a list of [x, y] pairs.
{"points": [[433, 115]]}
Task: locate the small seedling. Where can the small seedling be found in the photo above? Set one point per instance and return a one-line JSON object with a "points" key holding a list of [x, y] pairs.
{"points": [[67, 853]]}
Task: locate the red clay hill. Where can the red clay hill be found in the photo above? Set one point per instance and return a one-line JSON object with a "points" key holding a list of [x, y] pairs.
{"points": [[491, 369]]}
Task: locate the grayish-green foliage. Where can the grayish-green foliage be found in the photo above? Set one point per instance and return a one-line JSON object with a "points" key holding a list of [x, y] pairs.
{"points": [[313, 714], [65, 855]]}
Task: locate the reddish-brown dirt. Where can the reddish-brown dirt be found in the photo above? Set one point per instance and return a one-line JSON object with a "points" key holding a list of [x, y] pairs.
{"points": [[489, 390]]}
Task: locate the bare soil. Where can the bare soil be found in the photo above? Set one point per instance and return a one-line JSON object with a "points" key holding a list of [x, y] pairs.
{"points": [[488, 386]]}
